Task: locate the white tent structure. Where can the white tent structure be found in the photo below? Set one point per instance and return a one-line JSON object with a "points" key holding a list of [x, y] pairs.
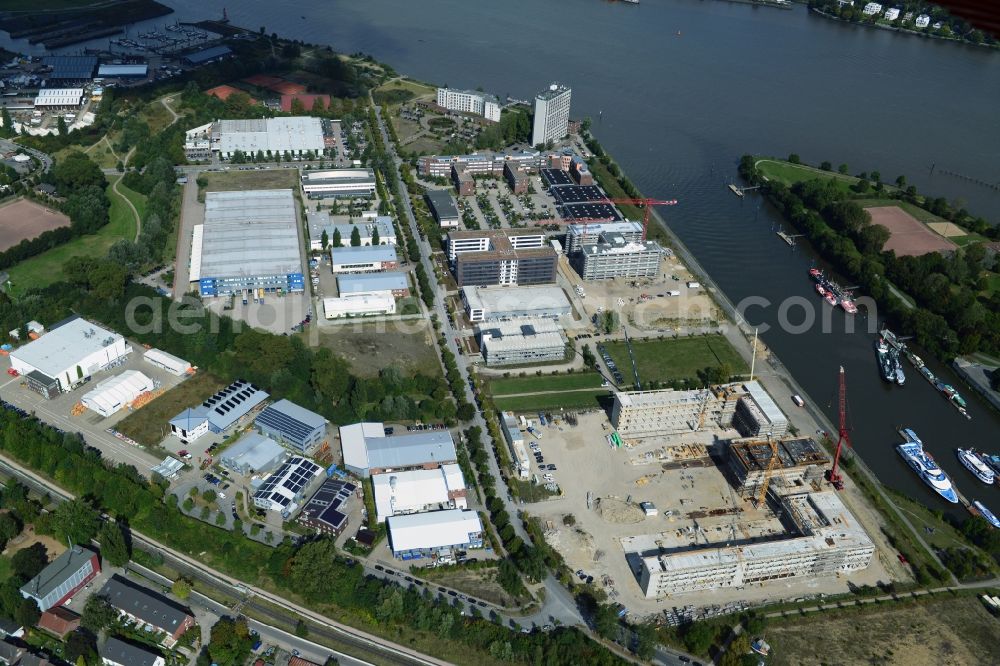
{"points": [[116, 392], [167, 361]]}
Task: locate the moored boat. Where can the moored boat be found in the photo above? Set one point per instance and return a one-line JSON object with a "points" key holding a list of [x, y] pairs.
{"points": [[987, 514], [972, 462], [820, 289], [912, 451], [830, 298]]}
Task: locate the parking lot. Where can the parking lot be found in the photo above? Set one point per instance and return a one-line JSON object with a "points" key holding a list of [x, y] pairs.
{"points": [[58, 411]]}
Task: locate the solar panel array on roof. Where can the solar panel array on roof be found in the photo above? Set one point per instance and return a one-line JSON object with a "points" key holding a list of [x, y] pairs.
{"points": [[589, 211], [291, 421], [556, 177], [70, 68], [327, 505], [288, 482], [576, 193]]}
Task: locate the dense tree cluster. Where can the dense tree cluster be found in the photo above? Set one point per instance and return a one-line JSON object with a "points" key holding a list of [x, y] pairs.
{"points": [[956, 314]]}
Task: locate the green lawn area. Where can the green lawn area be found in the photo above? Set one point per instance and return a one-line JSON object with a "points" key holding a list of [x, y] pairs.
{"points": [[789, 174], [680, 358], [550, 401], [46, 268], [534, 384], [147, 425], [268, 179], [156, 116], [138, 199], [5, 570], [994, 283]]}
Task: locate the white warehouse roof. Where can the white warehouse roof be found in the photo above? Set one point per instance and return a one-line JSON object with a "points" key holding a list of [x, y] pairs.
{"points": [[168, 361], [292, 134], [59, 97], [65, 346], [114, 393], [408, 492], [435, 529], [366, 446], [249, 233]]}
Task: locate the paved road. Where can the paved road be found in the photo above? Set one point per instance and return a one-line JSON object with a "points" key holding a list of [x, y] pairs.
{"points": [[559, 603], [260, 601]]}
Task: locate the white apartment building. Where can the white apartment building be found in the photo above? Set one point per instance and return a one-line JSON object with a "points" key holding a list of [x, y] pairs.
{"points": [[922, 21], [641, 414], [871, 9], [830, 541], [470, 101], [891, 14], [551, 114]]}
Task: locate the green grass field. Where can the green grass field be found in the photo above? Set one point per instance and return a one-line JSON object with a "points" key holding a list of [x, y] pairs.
{"points": [[585, 399], [789, 174], [534, 384], [5, 569], [47, 267], [267, 179], [680, 358]]}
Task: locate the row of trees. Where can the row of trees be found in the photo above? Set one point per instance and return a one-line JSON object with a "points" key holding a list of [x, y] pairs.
{"points": [[81, 185]]}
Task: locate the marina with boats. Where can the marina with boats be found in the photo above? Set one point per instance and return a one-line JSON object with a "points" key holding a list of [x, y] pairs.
{"points": [[949, 392], [833, 293]]}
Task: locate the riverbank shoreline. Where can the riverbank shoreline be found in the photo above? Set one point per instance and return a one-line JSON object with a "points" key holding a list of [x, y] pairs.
{"points": [[892, 28]]}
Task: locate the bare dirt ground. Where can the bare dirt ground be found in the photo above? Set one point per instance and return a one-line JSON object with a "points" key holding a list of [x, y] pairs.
{"points": [[947, 229], [28, 538], [957, 632], [22, 219], [909, 236]]}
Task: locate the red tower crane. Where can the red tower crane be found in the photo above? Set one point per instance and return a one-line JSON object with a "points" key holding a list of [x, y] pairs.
{"points": [[833, 476], [646, 205]]}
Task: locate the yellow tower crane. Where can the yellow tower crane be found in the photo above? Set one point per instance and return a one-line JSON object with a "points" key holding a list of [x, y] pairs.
{"points": [[762, 493]]}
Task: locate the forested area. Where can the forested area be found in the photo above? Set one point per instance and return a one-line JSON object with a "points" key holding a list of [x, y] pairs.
{"points": [[956, 312]]}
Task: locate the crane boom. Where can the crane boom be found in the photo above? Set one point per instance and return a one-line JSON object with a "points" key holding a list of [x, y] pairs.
{"points": [[844, 436]]}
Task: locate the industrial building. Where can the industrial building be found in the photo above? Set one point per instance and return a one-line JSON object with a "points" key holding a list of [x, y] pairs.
{"points": [[551, 121], [470, 101], [253, 454], [377, 228], [417, 535], [514, 437], [116, 652], [115, 393], [166, 361], [295, 135], [757, 415], [443, 207], [70, 68], [248, 243], [374, 284], [359, 305], [799, 462], [292, 425], [478, 164], [283, 490], [59, 98], [62, 578], [362, 259], [69, 354], [128, 71], [368, 450], [521, 342], [338, 183], [642, 414], [419, 490], [148, 608], [828, 540], [579, 235], [205, 56], [328, 508], [613, 256], [503, 303], [490, 257], [218, 413]]}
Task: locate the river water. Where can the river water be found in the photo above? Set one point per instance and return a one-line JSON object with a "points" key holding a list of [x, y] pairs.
{"points": [[678, 90]]}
